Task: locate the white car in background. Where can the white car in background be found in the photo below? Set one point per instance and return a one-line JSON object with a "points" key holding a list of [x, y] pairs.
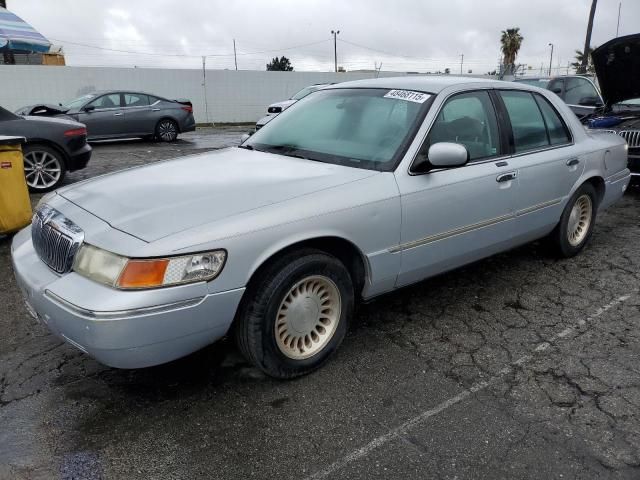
{"points": [[275, 109]]}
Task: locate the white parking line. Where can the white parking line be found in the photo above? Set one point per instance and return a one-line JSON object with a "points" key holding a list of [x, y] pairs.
{"points": [[424, 416]]}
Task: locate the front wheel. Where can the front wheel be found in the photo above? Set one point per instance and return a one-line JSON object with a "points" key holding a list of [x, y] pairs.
{"points": [[577, 221], [44, 168], [167, 130], [296, 314]]}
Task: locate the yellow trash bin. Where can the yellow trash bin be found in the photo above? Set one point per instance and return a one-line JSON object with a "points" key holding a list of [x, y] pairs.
{"points": [[15, 205]]}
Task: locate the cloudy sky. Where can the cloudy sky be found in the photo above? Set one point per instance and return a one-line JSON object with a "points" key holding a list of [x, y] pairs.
{"points": [[403, 35]]}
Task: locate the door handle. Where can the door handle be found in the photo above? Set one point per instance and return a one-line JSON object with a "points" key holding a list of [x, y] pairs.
{"points": [[155, 109], [572, 162], [117, 114], [505, 177]]}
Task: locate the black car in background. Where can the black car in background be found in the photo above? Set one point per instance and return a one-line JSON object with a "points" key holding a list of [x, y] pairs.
{"points": [[54, 146], [617, 65], [123, 114]]}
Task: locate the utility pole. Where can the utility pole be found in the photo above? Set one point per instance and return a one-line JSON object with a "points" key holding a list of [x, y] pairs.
{"points": [[335, 48], [551, 58], [461, 62], [587, 40], [204, 86], [618, 27], [235, 57]]}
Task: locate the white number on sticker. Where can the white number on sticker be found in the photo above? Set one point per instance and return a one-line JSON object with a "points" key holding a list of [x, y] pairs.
{"points": [[408, 95]]}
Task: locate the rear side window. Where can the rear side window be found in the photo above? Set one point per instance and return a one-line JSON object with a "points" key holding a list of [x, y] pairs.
{"points": [[579, 91], [558, 131], [529, 129], [135, 100]]}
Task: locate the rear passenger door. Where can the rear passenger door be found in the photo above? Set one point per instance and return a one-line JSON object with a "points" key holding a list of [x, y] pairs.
{"points": [[139, 118], [546, 160]]}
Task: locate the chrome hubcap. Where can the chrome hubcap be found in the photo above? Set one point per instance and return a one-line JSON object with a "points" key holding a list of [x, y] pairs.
{"points": [[41, 169], [308, 317], [579, 220], [167, 131]]}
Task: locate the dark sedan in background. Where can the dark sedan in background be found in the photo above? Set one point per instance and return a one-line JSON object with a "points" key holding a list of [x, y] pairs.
{"points": [[54, 147], [123, 114]]}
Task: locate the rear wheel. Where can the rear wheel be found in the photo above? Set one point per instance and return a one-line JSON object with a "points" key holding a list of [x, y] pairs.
{"points": [[167, 130], [577, 221], [44, 168], [296, 314]]}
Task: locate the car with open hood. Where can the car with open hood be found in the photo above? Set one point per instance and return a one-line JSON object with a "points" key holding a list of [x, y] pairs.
{"points": [[617, 65], [123, 114], [356, 190]]}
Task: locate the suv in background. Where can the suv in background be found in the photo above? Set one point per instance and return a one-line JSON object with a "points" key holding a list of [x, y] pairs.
{"points": [[580, 93], [275, 109]]}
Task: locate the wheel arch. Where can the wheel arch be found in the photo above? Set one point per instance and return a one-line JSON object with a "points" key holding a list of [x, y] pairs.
{"points": [[598, 183], [344, 250]]}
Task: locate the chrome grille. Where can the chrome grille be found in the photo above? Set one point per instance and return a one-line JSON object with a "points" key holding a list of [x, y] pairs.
{"points": [[631, 136], [55, 238]]}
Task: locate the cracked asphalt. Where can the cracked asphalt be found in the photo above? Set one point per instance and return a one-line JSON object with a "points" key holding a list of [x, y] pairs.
{"points": [[519, 366]]}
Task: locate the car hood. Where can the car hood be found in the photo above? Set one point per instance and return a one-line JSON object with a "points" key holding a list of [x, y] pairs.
{"points": [[617, 65], [168, 197], [42, 109]]}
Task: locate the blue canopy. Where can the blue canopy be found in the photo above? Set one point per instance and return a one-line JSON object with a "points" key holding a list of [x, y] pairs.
{"points": [[18, 35]]}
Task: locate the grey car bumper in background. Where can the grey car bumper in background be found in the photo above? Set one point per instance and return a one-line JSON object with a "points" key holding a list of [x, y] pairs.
{"points": [[132, 338]]}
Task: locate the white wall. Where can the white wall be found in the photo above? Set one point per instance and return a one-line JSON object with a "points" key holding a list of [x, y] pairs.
{"points": [[232, 96]]}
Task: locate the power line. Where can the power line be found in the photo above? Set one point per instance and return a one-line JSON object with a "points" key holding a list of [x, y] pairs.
{"points": [[184, 55]]}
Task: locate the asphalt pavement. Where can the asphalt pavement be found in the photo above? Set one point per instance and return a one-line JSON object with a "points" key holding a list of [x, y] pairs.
{"points": [[519, 366]]}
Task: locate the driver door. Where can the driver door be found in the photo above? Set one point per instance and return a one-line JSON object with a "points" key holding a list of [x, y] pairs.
{"points": [[104, 118], [454, 216]]}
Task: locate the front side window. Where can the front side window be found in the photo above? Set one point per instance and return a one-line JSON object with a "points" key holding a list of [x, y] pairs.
{"points": [[468, 119], [579, 91], [135, 100], [106, 101], [363, 128], [529, 130]]}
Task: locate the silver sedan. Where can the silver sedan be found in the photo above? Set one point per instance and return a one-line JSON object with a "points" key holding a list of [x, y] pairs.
{"points": [[357, 190]]}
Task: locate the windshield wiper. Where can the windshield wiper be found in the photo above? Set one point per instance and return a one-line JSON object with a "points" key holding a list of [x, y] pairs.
{"points": [[246, 147]]}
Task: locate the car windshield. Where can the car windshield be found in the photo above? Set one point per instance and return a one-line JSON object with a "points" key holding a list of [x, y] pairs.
{"points": [[78, 102], [304, 92], [363, 128]]}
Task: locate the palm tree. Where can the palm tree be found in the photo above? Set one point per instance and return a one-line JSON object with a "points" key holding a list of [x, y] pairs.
{"points": [[580, 61], [510, 41], [587, 40]]}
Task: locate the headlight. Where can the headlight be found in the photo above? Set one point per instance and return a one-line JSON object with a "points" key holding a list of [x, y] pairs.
{"points": [[45, 199], [121, 272]]}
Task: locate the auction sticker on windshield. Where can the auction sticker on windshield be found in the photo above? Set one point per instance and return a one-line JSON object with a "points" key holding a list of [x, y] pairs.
{"points": [[408, 95]]}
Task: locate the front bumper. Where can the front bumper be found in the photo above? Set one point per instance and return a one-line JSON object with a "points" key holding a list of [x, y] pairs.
{"points": [[132, 329]]}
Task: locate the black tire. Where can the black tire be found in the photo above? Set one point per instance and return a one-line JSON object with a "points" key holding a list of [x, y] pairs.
{"points": [[255, 328], [560, 236], [167, 130], [45, 167]]}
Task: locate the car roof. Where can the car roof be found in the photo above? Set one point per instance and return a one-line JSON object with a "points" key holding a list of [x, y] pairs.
{"points": [[423, 83], [108, 92]]}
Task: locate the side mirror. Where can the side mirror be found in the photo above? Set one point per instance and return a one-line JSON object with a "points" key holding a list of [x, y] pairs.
{"points": [[557, 90], [590, 101], [89, 108], [448, 155]]}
